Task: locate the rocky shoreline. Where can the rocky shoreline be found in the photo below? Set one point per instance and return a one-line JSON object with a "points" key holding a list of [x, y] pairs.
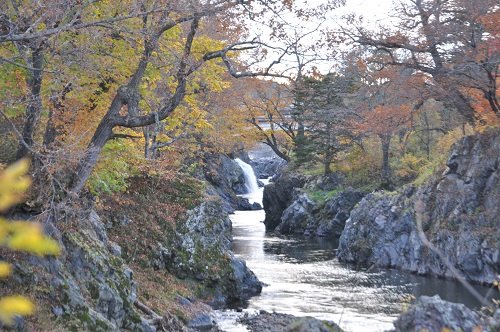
{"points": [[458, 211], [94, 284]]}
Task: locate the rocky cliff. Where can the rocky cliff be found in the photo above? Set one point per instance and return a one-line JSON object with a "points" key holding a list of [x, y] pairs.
{"points": [[226, 180], [434, 314], [144, 260], [458, 209], [326, 219], [200, 250], [278, 195]]}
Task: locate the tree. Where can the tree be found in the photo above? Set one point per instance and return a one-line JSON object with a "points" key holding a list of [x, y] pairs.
{"points": [[448, 40], [327, 116], [387, 110], [268, 106]]}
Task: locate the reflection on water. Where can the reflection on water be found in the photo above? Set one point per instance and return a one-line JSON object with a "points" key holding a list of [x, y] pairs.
{"points": [[303, 277]]}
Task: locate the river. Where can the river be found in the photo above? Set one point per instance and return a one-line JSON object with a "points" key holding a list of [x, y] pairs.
{"points": [[302, 277]]}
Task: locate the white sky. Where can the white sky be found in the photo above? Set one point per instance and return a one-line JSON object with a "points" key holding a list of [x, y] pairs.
{"points": [[372, 10], [374, 13]]}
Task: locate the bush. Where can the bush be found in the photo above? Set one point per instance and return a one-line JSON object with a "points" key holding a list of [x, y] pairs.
{"points": [[408, 167], [116, 164]]}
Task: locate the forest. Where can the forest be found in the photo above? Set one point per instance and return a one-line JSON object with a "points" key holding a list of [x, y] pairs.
{"points": [[124, 112]]}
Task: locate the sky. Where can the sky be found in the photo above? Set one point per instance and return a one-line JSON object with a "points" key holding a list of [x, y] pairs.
{"points": [[374, 12]]}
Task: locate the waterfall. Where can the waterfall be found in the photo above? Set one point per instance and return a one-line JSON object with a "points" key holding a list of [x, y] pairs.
{"points": [[251, 184]]}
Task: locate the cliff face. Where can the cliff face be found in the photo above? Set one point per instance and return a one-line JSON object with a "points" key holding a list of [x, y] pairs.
{"points": [[460, 213], [279, 195], [200, 249], [145, 260], [309, 218]]}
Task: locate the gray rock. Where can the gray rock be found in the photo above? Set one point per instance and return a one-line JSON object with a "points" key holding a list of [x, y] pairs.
{"points": [[203, 322], [115, 249], [330, 220], [278, 196], [297, 216], [434, 314], [57, 311], [460, 217], [304, 216], [244, 205], [277, 322], [200, 249], [267, 167]]}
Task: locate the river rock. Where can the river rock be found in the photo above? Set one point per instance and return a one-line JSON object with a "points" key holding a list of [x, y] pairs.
{"points": [[327, 219], [297, 216], [265, 162], [225, 173], [458, 210], [276, 322], [225, 180], [434, 314], [278, 196], [331, 218], [245, 205], [267, 167], [200, 249]]}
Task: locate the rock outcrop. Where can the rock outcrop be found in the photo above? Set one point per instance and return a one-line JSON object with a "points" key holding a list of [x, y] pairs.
{"points": [[200, 249], [327, 219], [267, 167], [458, 211], [297, 216], [434, 314], [226, 180], [89, 286], [278, 196], [265, 162]]}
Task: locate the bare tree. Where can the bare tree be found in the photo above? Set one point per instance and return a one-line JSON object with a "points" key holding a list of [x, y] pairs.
{"points": [[447, 40]]}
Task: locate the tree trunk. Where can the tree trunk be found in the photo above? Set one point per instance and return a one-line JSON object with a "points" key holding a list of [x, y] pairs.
{"points": [[386, 169], [276, 150], [34, 107], [102, 134], [327, 161]]}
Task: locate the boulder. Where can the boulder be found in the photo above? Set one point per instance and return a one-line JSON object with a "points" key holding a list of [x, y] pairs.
{"points": [[277, 322], [434, 314], [225, 180], [267, 167], [304, 216], [245, 205], [297, 216], [278, 196], [200, 249]]}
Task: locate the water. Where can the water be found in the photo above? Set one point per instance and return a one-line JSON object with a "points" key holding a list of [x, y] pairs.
{"points": [[304, 278], [250, 178]]}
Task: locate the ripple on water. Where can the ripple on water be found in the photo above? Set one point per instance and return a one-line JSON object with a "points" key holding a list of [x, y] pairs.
{"points": [[304, 278]]}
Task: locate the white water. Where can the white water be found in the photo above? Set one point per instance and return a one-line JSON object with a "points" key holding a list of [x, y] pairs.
{"points": [[251, 184]]}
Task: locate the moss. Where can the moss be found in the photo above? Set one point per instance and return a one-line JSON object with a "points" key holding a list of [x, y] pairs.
{"points": [[321, 196], [93, 290], [134, 318]]}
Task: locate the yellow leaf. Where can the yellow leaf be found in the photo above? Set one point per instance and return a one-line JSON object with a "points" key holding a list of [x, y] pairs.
{"points": [[13, 183], [30, 238], [5, 269], [12, 306]]}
